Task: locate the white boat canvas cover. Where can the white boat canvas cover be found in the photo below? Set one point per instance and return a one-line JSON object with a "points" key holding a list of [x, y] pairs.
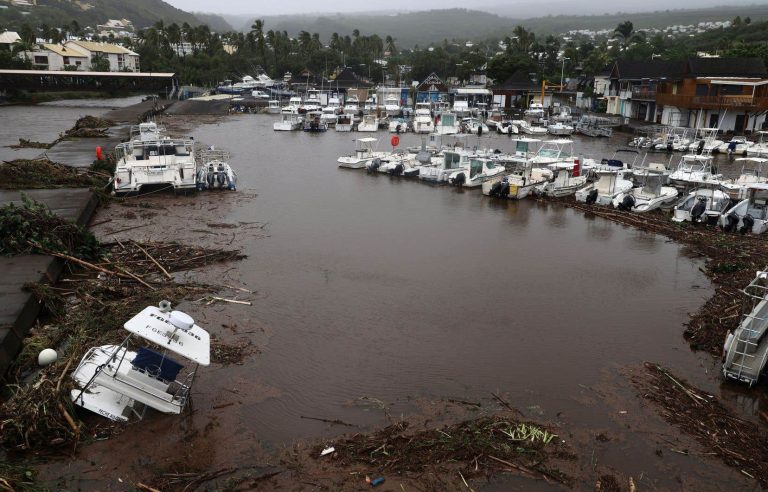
{"points": [[155, 326]]}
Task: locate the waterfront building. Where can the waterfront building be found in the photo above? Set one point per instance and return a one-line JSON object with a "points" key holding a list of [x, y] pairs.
{"points": [[120, 59]]}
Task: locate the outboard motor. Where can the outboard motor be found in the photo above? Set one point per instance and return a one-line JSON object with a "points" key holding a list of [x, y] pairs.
{"points": [[221, 176], [731, 222], [746, 224], [373, 165], [504, 189], [397, 170], [627, 203], [591, 197], [496, 189], [460, 179], [211, 176], [698, 211], [200, 179], [397, 129]]}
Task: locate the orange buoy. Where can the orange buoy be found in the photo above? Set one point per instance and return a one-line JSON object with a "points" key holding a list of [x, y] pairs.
{"points": [[99, 153], [395, 140]]}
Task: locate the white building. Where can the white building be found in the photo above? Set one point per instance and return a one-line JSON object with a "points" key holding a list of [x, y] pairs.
{"points": [[8, 38], [120, 59], [57, 57]]}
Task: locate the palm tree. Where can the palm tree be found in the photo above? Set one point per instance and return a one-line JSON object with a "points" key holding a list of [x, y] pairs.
{"points": [[627, 34], [523, 39], [390, 45]]}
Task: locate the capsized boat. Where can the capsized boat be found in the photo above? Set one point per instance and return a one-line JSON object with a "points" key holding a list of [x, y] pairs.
{"points": [[364, 152], [750, 214], [650, 196], [215, 172], [119, 383], [746, 349], [705, 205]]}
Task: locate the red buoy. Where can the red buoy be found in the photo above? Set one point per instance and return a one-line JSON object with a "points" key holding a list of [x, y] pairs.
{"points": [[99, 153], [576, 168], [395, 140]]}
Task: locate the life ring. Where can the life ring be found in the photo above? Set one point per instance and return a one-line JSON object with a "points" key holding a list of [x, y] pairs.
{"points": [[395, 140]]}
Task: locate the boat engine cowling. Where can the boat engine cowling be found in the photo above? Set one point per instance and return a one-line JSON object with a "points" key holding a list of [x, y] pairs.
{"points": [[591, 197], [627, 203], [460, 179], [373, 165], [495, 189], [698, 210], [746, 224], [731, 222]]}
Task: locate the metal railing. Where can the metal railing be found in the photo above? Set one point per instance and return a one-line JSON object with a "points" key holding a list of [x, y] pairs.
{"points": [[714, 102]]}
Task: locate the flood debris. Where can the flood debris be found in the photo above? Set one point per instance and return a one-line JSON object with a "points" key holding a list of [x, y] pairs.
{"points": [[31, 144], [475, 448], [731, 261], [43, 173], [739, 443], [90, 127]]}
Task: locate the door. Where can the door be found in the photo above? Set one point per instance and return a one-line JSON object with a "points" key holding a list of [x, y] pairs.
{"points": [[713, 120], [741, 120]]}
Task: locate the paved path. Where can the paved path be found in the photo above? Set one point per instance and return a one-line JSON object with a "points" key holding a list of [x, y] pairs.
{"points": [[18, 308]]}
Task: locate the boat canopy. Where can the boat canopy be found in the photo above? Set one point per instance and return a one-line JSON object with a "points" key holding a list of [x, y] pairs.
{"points": [[174, 331]]}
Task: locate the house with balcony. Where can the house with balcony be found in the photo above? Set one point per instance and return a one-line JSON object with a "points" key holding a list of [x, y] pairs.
{"points": [[432, 89], [120, 59], [726, 93], [517, 91], [633, 86]]}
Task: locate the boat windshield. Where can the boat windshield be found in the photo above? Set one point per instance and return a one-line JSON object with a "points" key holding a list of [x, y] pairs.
{"points": [[451, 160], [475, 167]]}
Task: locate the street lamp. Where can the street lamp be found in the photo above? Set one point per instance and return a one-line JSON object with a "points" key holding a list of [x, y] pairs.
{"points": [[562, 73]]}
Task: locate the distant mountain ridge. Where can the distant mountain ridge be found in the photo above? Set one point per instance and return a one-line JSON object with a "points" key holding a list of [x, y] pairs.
{"points": [[143, 13]]}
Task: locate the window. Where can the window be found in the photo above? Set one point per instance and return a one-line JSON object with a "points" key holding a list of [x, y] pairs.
{"points": [[41, 60], [702, 89]]}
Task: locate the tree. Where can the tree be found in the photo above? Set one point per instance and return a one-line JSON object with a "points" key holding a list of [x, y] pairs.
{"points": [[390, 45], [99, 63]]}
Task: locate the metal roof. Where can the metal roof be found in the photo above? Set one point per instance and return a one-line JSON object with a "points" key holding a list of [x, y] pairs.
{"points": [[67, 73]]}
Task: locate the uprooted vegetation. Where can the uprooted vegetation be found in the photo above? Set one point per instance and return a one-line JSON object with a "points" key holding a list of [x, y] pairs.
{"points": [[741, 444], [43, 173], [108, 285], [732, 260], [448, 456], [90, 127]]}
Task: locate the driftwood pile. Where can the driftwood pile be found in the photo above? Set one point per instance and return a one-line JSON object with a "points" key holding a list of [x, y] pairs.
{"points": [[44, 173], [741, 444], [89, 127]]}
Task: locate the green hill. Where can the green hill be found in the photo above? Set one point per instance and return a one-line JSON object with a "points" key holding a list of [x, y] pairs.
{"points": [[142, 13]]}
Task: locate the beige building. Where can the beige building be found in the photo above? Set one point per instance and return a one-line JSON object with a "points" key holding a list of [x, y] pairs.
{"points": [[120, 59], [58, 57]]}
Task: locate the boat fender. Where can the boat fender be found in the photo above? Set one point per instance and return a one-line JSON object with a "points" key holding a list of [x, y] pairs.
{"points": [[99, 153], [746, 224], [591, 197], [728, 340]]}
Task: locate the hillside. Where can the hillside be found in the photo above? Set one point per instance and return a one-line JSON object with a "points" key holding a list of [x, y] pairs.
{"points": [[142, 13], [425, 27]]}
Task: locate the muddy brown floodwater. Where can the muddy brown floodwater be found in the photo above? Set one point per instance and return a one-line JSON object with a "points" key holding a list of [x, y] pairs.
{"points": [[372, 292]]}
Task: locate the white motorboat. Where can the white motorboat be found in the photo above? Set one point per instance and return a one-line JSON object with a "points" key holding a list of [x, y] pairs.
{"points": [[751, 213], [398, 125], [364, 152], [369, 106], [119, 383], [273, 106], [422, 119], [563, 115], [737, 145], [215, 171], [746, 349], [397, 163], [474, 126], [392, 105], [446, 124], [507, 127], [705, 204], [352, 106], [369, 123], [551, 151], [288, 122], [294, 106], [480, 170], [751, 173], [705, 141], [528, 128], [261, 95], [693, 168], [314, 123], [344, 123], [516, 185], [162, 163], [609, 184], [453, 161], [760, 148], [568, 179], [329, 115], [560, 129], [535, 110], [312, 102], [650, 196]]}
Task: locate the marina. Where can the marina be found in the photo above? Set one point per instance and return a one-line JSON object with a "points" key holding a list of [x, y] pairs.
{"points": [[331, 249]]}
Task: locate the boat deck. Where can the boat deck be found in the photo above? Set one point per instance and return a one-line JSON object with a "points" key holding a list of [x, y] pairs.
{"points": [[18, 308]]}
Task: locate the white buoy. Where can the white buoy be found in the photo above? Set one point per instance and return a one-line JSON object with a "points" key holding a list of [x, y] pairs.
{"points": [[47, 357]]}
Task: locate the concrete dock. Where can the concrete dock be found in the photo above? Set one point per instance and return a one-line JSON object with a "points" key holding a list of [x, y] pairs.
{"points": [[18, 308]]}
